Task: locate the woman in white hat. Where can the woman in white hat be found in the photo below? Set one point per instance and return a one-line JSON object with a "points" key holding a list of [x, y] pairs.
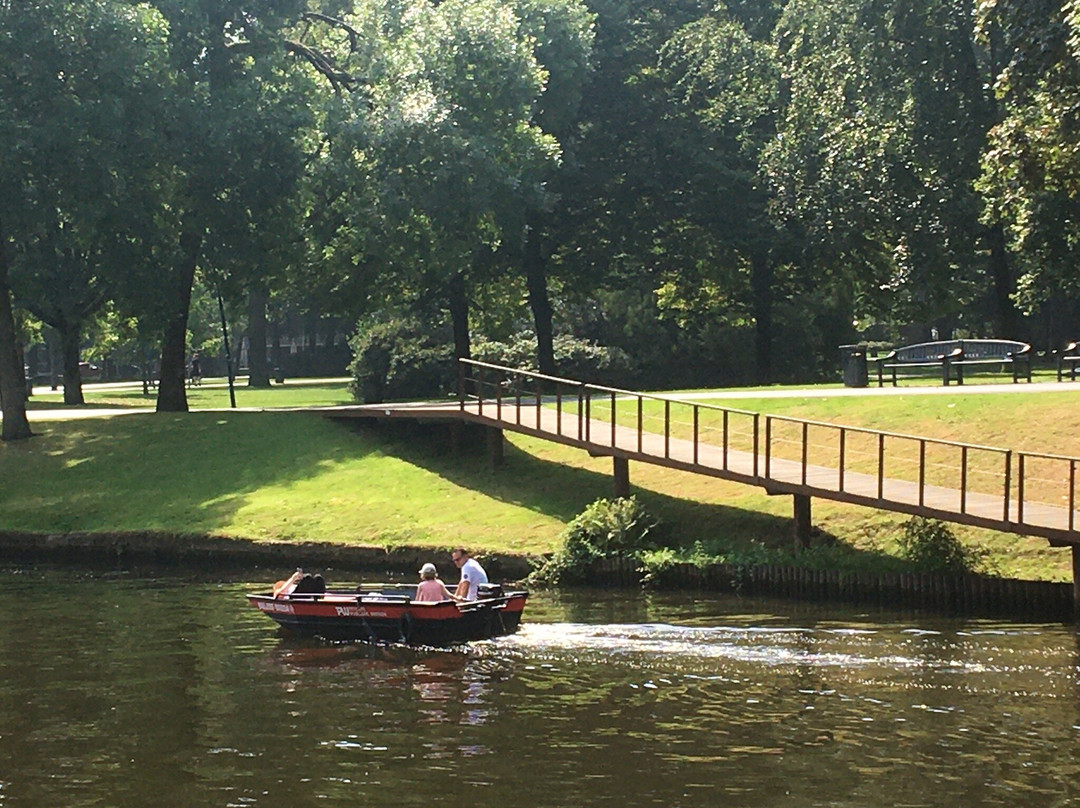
{"points": [[430, 587]]}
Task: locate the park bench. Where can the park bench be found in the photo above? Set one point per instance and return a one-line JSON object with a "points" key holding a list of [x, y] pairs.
{"points": [[1068, 359], [951, 357]]}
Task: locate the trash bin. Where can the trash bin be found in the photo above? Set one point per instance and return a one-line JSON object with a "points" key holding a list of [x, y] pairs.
{"points": [[853, 358]]}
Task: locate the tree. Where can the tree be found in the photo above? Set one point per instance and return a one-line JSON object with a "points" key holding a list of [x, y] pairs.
{"points": [[62, 287], [439, 148], [12, 389], [231, 153], [610, 232], [73, 73], [879, 150], [727, 86], [1031, 171], [563, 32]]}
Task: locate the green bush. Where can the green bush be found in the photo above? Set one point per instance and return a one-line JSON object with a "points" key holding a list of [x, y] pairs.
{"points": [[932, 546], [615, 528], [397, 359], [751, 553], [401, 358], [576, 358]]}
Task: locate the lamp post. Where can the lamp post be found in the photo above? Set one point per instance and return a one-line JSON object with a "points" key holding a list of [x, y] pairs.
{"points": [[228, 353]]}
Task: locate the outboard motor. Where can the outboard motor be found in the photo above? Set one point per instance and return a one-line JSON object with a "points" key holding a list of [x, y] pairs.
{"points": [[488, 591]]}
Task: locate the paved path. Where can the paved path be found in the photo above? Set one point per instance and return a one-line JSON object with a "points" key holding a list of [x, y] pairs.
{"points": [[76, 413], [71, 413], [845, 392]]}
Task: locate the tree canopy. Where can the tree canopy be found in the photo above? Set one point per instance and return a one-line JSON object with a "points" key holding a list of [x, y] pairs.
{"points": [[722, 192]]}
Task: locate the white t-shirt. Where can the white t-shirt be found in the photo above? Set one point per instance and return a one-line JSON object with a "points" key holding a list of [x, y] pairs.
{"points": [[472, 572]]}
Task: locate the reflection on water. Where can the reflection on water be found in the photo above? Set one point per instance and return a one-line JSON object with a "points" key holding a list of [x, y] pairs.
{"points": [[125, 691]]}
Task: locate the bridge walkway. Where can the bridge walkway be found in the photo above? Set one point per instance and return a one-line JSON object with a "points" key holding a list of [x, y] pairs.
{"points": [[1023, 493]]}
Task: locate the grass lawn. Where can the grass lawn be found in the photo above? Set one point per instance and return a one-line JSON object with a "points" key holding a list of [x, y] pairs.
{"points": [[277, 476], [283, 476]]}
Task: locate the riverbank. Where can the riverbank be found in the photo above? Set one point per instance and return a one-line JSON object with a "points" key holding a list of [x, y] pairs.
{"points": [[942, 593], [292, 478], [125, 549]]}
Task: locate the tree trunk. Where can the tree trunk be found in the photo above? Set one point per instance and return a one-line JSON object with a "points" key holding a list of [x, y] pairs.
{"points": [[1006, 321], [69, 349], [459, 316], [172, 396], [24, 380], [539, 302], [761, 278], [55, 365], [12, 389], [258, 367]]}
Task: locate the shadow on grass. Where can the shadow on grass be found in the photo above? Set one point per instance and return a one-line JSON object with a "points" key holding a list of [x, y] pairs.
{"points": [[562, 492], [186, 472], [193, 472]]}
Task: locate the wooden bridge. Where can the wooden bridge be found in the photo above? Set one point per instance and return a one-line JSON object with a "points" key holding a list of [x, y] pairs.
{"points": [[1026, 493]]}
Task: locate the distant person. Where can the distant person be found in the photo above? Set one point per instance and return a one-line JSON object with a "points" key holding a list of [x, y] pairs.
{"points": [[300, 583], [472, 574], [196, 369], [286, 587], [430, 587]]}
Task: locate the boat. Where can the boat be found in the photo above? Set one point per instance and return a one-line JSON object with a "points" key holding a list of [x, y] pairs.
{"points": [[388, 613]]}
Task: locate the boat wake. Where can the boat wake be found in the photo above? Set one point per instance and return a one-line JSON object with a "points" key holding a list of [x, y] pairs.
{"points": [[769, 646], [690, 650]]}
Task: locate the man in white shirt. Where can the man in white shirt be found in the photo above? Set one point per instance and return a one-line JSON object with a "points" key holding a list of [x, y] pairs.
{"points": [[472, 574]]}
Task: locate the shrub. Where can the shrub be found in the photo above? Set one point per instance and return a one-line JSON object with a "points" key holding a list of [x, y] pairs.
{"points": [[616, 528], [400, 358], [576, 358], [396, 359], [931, 545]]}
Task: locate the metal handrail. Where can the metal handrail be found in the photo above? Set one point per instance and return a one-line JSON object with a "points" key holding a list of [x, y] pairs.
{"points": [[886, 433], [1013, 476], [599, 388]]}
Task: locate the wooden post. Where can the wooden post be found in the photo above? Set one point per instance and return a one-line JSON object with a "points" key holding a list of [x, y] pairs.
{"points": [[621, 469], [802, 521], [1076, 580], [495, 446]]}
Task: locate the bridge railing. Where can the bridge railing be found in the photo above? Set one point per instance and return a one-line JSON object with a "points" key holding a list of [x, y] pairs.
{"points": [[927, 472], [608, 417], [1046, 478], [930, 473]]}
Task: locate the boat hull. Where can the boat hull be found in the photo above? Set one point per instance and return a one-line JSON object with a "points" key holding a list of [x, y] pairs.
{"points": [[378, 617]]}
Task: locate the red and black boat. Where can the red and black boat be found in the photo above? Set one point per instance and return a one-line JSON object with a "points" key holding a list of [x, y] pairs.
{"points": [[389, 614]]}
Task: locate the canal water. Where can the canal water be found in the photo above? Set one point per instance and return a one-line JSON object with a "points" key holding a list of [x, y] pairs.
{"points": [[121, 690]]}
